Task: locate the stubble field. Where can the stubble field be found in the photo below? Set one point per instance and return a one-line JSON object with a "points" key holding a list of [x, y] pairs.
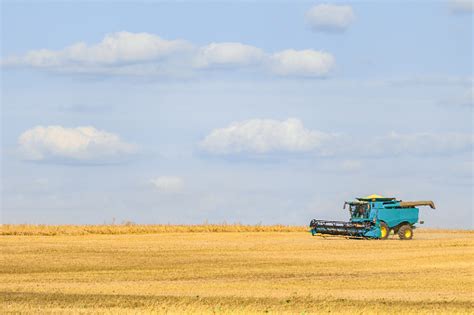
{"points": [[231, 270]]}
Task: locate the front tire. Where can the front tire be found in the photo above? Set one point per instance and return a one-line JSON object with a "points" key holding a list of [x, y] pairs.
{"points": [[405, 232], [384, 231]]}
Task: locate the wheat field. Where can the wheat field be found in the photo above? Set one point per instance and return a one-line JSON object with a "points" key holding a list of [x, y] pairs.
{"points": [[132, 228], [231, 269]]}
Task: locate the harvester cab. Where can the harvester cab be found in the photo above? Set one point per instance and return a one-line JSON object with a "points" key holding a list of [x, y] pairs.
{"points": [[358, 210], [374, 216]]}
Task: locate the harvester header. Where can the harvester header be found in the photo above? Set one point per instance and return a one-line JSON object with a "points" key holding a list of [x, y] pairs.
{"points": [[374, 216]]}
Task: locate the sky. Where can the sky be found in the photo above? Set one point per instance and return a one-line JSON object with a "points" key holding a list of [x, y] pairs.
{"points": [[238, 112]]}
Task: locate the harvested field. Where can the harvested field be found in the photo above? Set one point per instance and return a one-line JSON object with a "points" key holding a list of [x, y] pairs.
{"points": [[227, 271], [131, 228]]}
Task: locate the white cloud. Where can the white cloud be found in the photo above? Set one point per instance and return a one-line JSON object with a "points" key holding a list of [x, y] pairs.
{"points": [[462, 6], [308, 63], [222, 54], [263, 136], [329, 17], [143, 54], [81, 143], [168, 184], [116, 48]]}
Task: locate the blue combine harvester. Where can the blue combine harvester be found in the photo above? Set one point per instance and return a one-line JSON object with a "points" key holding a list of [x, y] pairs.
{"points": [[374, 216]]}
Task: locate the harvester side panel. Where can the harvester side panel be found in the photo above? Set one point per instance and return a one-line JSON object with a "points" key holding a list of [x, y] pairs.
{"points": [[395, 216]]}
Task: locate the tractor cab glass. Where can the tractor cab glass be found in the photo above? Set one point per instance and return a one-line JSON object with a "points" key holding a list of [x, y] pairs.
{"points": [[359, 210]]}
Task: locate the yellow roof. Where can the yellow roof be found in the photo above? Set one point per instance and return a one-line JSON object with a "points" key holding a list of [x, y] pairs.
{"points": [[374, 196]]}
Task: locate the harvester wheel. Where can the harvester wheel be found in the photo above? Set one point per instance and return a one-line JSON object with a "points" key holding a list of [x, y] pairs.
{"points": [[405, 232], [384, 231]]}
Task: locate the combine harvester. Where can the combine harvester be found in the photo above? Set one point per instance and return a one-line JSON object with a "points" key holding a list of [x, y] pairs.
{"points": [[374, 217]]}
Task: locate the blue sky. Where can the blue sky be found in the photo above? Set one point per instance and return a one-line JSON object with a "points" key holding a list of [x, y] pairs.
{"points": [[164, 112]]}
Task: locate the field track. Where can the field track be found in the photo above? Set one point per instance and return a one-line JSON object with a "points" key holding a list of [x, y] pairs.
{"points": [[231, 269]]}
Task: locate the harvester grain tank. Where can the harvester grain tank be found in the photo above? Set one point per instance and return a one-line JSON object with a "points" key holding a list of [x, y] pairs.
{"points": [[374, 217]]}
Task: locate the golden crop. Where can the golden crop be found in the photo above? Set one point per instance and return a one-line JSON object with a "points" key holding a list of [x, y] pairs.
{"points": [[164, 269], [131, 228]]}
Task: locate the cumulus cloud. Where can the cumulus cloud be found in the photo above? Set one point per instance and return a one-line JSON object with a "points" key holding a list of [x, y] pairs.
{"points": [[144, 54], [80, 144], [307, 63], [461, 6], [330, 17], [168, 184], [263, 136], [236, 54], [116, 48], [267, 136]]}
